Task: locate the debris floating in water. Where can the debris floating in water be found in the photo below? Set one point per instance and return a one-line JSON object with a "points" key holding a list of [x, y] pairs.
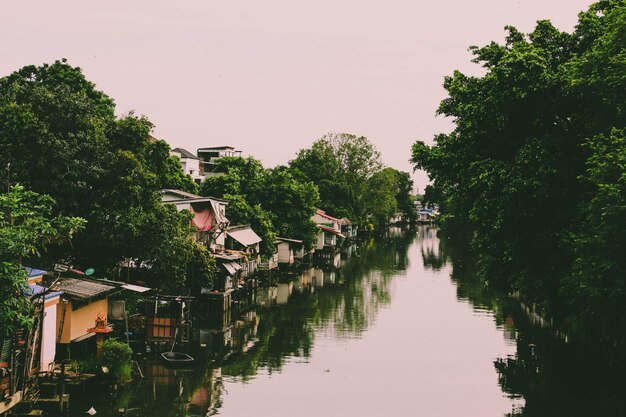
{"points": [[91, 411]]}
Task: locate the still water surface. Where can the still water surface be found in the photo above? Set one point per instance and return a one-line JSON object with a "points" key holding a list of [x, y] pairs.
{"points": [[395, 331]]}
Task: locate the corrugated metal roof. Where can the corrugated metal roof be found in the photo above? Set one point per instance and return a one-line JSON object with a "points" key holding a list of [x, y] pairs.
{"points": [[231, 267], [244, 235], [81, 288]]}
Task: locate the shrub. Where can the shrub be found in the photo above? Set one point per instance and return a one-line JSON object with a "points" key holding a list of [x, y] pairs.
{"points": [[116, 356]]}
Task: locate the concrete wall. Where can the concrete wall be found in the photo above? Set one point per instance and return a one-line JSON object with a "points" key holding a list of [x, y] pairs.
{"points": [[285, 254], [78, 321], [320, 239], [49, 336]]}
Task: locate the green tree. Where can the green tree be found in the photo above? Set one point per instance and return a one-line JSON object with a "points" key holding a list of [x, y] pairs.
{"points": [[290, 203], [380, 196], [340, 165], [405, 199], [537, 151], [27, 228], [61, 137]]}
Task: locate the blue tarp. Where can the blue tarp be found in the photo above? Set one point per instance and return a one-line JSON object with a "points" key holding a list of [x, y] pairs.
{"points": [[32, 272], [38, 289]]}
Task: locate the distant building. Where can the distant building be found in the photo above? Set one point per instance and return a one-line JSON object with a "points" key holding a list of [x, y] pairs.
{"points": [[189, 162], [208, 156]]}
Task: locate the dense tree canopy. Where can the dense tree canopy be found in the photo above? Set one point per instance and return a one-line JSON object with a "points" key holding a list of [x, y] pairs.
{"points": [[27, 228], [344, 167], [538, 150], [61, 137]]}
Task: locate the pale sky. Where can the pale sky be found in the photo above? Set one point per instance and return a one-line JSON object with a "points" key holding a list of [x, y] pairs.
{"points": [[270, 77]]}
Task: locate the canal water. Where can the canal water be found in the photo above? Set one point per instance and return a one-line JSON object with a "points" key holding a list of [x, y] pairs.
{"points": [[393, 327]]}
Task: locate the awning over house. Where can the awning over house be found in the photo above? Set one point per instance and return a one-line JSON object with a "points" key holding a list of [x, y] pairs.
{"points": [[135, 288], [244, 235], [284, 239], [231, 267], [83, 337], [330, 230]]}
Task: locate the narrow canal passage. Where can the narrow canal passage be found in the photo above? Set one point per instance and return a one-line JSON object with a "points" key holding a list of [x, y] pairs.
{"points": [[395, 331]]}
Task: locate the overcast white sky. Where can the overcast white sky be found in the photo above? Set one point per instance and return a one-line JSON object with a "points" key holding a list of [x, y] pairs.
{"points": [[272, 76]]}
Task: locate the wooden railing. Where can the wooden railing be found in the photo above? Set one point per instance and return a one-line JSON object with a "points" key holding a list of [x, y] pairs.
{"points": [[270, 264]]}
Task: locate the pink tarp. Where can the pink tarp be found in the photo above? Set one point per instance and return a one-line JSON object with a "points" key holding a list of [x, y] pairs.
{"points": [[202, 218]]}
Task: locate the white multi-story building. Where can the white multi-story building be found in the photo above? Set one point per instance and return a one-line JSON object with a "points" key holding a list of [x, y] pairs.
{"points": [[189, 162], [208, 156]]}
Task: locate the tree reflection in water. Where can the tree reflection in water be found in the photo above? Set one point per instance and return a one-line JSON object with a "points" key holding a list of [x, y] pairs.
{"points": [[343, 301], [546, 374], [551, 376]]}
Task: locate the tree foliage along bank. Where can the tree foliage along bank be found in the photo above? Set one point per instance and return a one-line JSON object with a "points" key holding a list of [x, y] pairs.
{"points": [[59, 136], [352, 180], [27, 228], [533, 177]]}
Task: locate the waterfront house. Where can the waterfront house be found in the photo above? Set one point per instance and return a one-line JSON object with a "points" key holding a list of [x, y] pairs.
{"points": [[348, 229], [26, 352], [426, 215], [82, 301], [396, 218], [189, 162], [289, 250], [229, 272], [327, 238], [329, 230], [245, 241], [47, 302], [209, 216]]}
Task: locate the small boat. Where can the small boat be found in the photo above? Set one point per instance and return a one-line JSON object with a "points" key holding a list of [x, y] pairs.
{"points": [[177, 358]]}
